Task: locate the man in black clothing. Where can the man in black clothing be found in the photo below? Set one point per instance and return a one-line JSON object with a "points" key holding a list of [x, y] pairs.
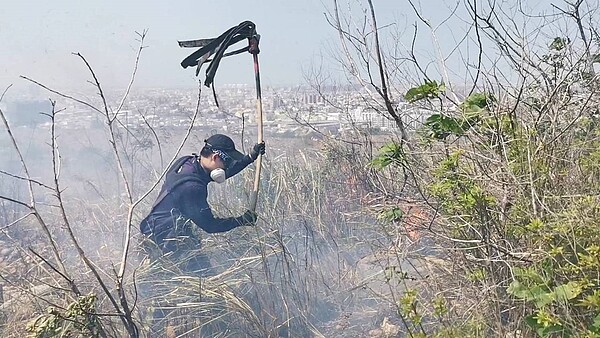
{"points": [[182, 201]]}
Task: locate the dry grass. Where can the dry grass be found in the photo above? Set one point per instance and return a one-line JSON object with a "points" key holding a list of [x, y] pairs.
{"points": [[315, 266]]}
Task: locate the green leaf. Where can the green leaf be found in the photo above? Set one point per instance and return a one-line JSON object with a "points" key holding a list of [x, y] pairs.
{"points": [[441, 126], [428, 90], [518, 290], [559, 43], [592, 300], [530, 275], [388, 154], [477, 101], [392, 214], [596, 323], [540, 329], [541, 298], [567, 291], [537, 294]]}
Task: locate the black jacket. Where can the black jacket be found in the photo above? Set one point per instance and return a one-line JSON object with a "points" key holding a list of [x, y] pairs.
{"points": [[188, 201]]}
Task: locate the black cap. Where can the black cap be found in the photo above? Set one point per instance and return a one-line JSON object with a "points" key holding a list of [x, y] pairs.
{"points": [[224, 143]]}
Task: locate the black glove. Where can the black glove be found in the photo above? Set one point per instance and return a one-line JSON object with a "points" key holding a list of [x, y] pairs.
{"points": [[259, 148], [248, 218]]}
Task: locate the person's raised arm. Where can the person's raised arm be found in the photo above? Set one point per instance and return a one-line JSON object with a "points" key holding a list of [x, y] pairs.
{"points": [[238, 166]]}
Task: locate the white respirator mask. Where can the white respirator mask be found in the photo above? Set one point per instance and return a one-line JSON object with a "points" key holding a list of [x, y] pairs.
{"points": [[218, 175]]}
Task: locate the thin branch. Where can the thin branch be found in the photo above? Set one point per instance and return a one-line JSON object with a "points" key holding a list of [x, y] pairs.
{"points": [[51, 266], [123, 263], [5, 91], [26, 179], [142, 36], [473, 8], [89, 105], [158, 143], [12, 200], [15, 221], [109, 121], [32, 204], [67, 223]]}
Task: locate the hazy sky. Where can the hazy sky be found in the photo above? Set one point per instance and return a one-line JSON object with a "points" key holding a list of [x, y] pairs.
{"points": [[38, 37]]}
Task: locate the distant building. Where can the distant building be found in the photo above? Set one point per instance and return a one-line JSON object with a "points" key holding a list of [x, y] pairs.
{"points": [[278, 102], [412, 117]]}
